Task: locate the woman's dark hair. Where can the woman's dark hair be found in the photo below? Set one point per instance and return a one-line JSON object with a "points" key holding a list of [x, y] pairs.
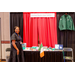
{"points": [[16, 27]]}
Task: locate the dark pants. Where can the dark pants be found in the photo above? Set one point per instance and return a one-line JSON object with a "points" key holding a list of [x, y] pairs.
{"points": [[16, 58]]}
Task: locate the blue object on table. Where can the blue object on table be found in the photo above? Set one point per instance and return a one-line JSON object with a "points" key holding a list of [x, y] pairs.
{"points": [[49, 47], [60, 46]]}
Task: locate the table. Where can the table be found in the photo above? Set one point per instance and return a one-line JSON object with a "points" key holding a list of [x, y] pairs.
{"points": [[50, 56]]}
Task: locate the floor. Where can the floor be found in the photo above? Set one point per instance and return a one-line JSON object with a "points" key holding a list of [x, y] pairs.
{"points": [[2, 61]]}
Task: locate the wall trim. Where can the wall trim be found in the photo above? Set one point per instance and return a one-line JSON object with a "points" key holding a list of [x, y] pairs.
{"points": [[5, 42]]}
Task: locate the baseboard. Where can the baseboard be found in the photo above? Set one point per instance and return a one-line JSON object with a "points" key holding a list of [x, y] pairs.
{"points": [[3, 59]]}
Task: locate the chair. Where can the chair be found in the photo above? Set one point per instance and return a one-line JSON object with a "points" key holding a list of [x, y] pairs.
{"points": [[68, 57], [8, 54]]}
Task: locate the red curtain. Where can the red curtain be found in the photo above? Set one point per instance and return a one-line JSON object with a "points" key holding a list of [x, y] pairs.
{"points": [[33, 36], [43, 27], [26, 18]]}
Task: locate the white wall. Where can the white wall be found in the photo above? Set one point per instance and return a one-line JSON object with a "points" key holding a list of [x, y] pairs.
{"points": [[5, 31]]}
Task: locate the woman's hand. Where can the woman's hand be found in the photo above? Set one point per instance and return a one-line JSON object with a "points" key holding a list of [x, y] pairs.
{"points": [[17, 52], [21, 42]]}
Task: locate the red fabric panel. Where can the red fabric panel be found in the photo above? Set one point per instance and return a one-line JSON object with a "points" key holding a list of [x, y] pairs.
{"points": [[49, 41], [35, 35], [53, 29], [26, 19], [44, 27], [33, 32], [42, 31]]}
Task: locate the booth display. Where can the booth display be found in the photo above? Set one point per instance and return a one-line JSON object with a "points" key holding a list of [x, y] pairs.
{"points": [[39, 25], [54, 30], [43, 26]]}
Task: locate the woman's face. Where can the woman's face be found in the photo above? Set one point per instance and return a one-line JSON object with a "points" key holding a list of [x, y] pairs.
{"points": [[17, 30]]}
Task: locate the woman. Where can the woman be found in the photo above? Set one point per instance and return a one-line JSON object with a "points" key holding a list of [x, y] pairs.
{"points": [[16, 47]]}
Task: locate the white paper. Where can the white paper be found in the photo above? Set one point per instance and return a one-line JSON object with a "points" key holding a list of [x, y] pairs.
{"points": [[56, 46], [42, 15]]}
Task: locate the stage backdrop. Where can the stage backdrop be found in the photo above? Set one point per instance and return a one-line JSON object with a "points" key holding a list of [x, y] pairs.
{"points": [[42, 26]]}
